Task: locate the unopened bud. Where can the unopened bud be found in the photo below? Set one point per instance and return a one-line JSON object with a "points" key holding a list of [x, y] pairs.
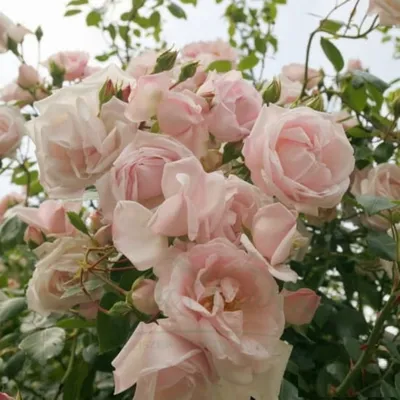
{"points": [[272, 92], [57, 73], [33, 236], [143, 296], [165, 61], [316, 103], [188, 71], [27, 76], [106, 92]]}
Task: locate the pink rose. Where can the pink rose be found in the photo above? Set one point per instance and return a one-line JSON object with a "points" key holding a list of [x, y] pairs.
{"points": [[182, 116], [137, 172], [75, 143], [143, 297], [11, 130], [73, 63], [346, 119], [296, 72], [163, 366], [218, 297], [28, 76], [10, 30], [290, 90], [354, 64], [50, 218], [300, 306], [90, 70], [4, 396], [9, 201], [300, 156], [234, 108], [380, 181], [13, 92], [33, 235], [143, 64], [207, 52], [388, 11], [146, 96], [194, 201], [57, 271]]}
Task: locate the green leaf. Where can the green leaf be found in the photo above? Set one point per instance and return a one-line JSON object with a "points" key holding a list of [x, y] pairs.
{"points": [[74, 382], [10, 308], [231, 152], [77, 2], [11, 233], [383, 152], [12, 45], [155, 18], [220, 66], [194, 2], [15, 364], [176, 11], [356, 98], [75, 323], [358, 132], [77, 222], [372, 79], [382, 245], [330, 26], [112, 31], [373, 204], [350, 323], [333, 54], [248, 62], [388, 391], [112, 331], [90, 286], [353, 347], [69, 13], [93, 18], [260, 44], [288, 391], [397, 381], [44, 345]]}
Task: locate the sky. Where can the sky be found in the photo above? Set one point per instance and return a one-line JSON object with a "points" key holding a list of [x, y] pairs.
{"points": [[295, 22]]}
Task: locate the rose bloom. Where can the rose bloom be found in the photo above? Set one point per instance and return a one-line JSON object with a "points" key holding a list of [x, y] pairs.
{"points": [[137, 172], [143, 64], [220, 298], [15, 93], [207, 52], [55, 272], [290, 90], [300, 306], [388, 11], [10, 30], [182, 116], [300, 156], [163, 366], [50, 218], [9, 201], [234, 108], [354, 64], [11, 130], [296, 72], [380, 181], [73, 63], [75, 143]]}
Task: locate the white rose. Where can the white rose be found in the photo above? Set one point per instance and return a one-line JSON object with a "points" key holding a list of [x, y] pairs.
{"points": [[11, 130], [75, 143], [55, 272]]}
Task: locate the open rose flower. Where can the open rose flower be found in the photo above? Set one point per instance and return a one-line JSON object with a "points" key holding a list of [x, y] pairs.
{"points": [[143, 64], [8, 29], [207, 52], [50, 218], [300, 306], [296, 72], [73, 63], [11, 130], [137, 172], [182, 116], [300, 156], [380, 181], [388, 11], [163, 366], [75, 144], [234, 108], [55, 272], [220, 298]]}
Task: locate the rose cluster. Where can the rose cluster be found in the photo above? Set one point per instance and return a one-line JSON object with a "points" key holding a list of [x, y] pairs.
{"points": [[211, 236]]}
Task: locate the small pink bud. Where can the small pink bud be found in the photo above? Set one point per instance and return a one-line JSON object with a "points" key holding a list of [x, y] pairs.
{"points": [[12, 284], [354, 65], [28, 76], [95, 221], [126, 92], [143, 297], [33, 235], [300, 306]]}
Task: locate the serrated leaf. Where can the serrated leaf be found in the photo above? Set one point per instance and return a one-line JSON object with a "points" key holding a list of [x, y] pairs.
{"points": [[77, 222], [382, 245], [44, 345], [332, 53], [248, 62], [374, 204], [10, 308]]}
